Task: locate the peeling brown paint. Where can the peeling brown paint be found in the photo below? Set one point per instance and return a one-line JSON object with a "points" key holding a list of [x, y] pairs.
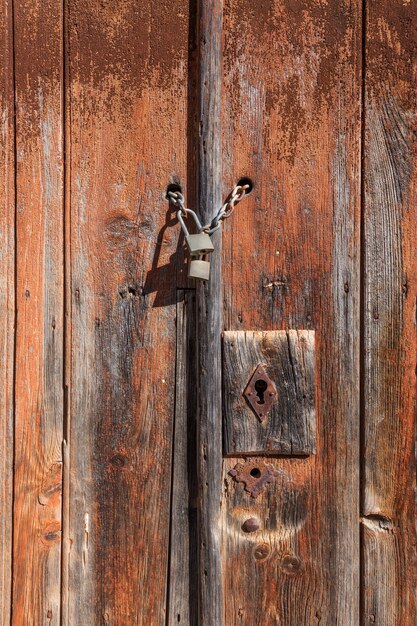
{"points": [[391, 52], [38, 63], [122, 48], [298, 67]]}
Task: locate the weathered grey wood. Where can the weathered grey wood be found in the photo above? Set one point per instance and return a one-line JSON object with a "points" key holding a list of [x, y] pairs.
{"points": [[7, 303], [209, 319], [288, 358], [390, 290], [183, 581]]}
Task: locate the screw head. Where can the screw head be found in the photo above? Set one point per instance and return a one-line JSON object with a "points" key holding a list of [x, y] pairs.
{"points": [[250, 525]]}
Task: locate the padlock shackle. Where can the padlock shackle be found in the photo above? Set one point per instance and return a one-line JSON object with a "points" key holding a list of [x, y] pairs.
{"points": [[195, 218]]}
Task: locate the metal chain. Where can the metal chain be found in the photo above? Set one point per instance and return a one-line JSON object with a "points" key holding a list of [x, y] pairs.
{"points": [[237, 194], [200, 245], [177, 198]]}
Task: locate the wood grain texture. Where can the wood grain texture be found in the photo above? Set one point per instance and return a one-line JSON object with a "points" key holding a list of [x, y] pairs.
{"points": [[390, 291], [7, 303], [39, 300], [119, 79], [183, 587], [127, 74], [291, 122], [209, 319], [288, 360]]}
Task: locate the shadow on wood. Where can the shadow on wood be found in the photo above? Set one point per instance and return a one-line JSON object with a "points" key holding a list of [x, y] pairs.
{"points": [[162, 279]]}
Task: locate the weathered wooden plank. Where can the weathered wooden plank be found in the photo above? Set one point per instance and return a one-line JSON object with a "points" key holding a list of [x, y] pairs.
{"points": [[289, 424], [183, 581], [291, 122], [7, 304], [209, 319], [39, 300], [390, 290], [127, 94]]}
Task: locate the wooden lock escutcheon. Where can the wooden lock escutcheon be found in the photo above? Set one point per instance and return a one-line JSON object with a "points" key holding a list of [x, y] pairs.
{"points": [[269, 392]]}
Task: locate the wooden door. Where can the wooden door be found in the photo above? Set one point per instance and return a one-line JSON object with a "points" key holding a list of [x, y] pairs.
{"points": [[120, 495]]}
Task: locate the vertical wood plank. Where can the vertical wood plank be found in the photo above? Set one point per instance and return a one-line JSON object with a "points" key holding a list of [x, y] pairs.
{"points": [[291, 261], [183, 581], [39, 300], [390, 291], [127, 115], [7, 304], [209, 319]]}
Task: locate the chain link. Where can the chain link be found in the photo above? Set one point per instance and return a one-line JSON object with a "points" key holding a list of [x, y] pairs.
{"points": [[237, 194], [177, 198], [199, 245]]}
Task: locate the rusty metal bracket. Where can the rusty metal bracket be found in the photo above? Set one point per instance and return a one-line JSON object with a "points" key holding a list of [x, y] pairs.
{"points": [[260, 392], [255, 475]]}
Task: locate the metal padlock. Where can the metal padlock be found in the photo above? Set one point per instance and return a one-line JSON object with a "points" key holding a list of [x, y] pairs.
{"points": [[199, 243], [199, 269]]}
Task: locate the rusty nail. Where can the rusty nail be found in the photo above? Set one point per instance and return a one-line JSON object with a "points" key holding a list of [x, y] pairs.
{"points": [[250, 525], [291, 564], [261, 551]]}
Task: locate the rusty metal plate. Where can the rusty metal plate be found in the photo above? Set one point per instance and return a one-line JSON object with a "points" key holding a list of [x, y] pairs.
{"points": [[255, 475], [261, 393]]}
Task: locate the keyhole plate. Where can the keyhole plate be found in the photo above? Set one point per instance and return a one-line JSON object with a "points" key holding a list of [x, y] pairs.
{"points": [[255, 476], [261, 393]]}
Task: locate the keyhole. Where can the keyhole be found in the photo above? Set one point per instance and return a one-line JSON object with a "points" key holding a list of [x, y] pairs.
{"points": [[260, 388]]}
